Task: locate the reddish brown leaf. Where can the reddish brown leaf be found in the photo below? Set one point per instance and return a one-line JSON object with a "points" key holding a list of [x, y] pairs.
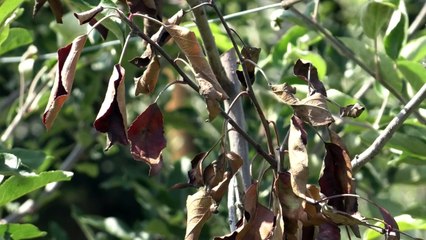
{"points": [[260, 220], [307, 72], [87, 16], [353, 110], [200, 207], [57, 10], [298, 156], [146, 136], [111, 118], [64, 78], [328, 231], [391, 226], [147, 82], [210, 88], [313, 110]]}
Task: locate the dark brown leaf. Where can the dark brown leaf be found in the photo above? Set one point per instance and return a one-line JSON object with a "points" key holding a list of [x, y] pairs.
{"points": [[99, 27], [64, 78], [353, 110], [111, 118], [252, 54], [391, 226], [307, 72], [86, 16], [152, 8], [57, 10], [146, 137], [38, 4], [328, 231], [260, 220], [291, 205]]}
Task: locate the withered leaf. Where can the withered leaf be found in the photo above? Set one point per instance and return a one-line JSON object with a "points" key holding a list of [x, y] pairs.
{"points": [[285, 93], [99, 27], [146, 137], [252, 54], [391, 226], [291, 204], [307, 72], [210, 88], [147, 82], [86, 16], [64, 78], [111, 118], [260, 220], [313, 110], [298, 156], [200, 207], [353, 110], [55, 6], [152, 8], [328, 231]]}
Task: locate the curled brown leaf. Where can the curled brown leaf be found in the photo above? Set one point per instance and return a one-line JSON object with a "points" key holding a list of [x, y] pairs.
{"points": [[87, 16], [307, 72], [313, 110], [64, 79], [353, 110]]}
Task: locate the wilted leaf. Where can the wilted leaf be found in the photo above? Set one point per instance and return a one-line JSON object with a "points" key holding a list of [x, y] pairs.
{"points": [[260, 220], [252, 54], [285, 93], [307, 72], [111, 118], [86, 16], [200, 207], [298, 156], [55, 6], [147, 82], [146, 137], [353, 110], [210, 88], [391, 226], [99, 27], [328, 231], [152, 8], [67, 62], [313, 110], [291, 204]]}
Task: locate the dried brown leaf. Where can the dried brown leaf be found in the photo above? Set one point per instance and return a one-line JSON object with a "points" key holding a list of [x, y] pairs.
{"points": [[210, 88], [285, 93], [307, 72], [111, 118], [298, 157], [313, 110], [353, 110], [147, 82], [200, 207], [57, 10], [252, 54], [86, 16], [64, 78]]}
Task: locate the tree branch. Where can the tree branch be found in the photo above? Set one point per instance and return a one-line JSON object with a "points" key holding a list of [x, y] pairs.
{"points": [[368, 154]]}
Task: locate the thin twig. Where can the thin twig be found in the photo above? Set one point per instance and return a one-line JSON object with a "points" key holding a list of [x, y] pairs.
{"points": [[375, 148], [418, 21]]}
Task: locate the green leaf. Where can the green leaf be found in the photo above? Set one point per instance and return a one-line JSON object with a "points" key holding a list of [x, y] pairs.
{"points": [[18, 231], [290, 36], [17, 37], [9, 164], [415, 50], [308, 56], [389, 73], [396, 35], [7, 8], [4, 33], [374, 16], [413, 72], [17, 186], [32, 159], [360, 49]]}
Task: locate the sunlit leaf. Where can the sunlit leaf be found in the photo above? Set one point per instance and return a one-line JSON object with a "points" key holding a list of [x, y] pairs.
{"points": [[374, 16], [210, 88], [285, 93], [307, 72], [111, 118], [64, 78], [17, 231], [396, 34], [313, 110], [298, 156], [413, 72], [146, 135], [17, 37], [7, 8], [352, 110], [200, 207]]}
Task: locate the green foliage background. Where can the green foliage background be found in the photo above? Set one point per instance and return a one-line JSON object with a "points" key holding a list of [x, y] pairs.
{"points": [[111, 196]]}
